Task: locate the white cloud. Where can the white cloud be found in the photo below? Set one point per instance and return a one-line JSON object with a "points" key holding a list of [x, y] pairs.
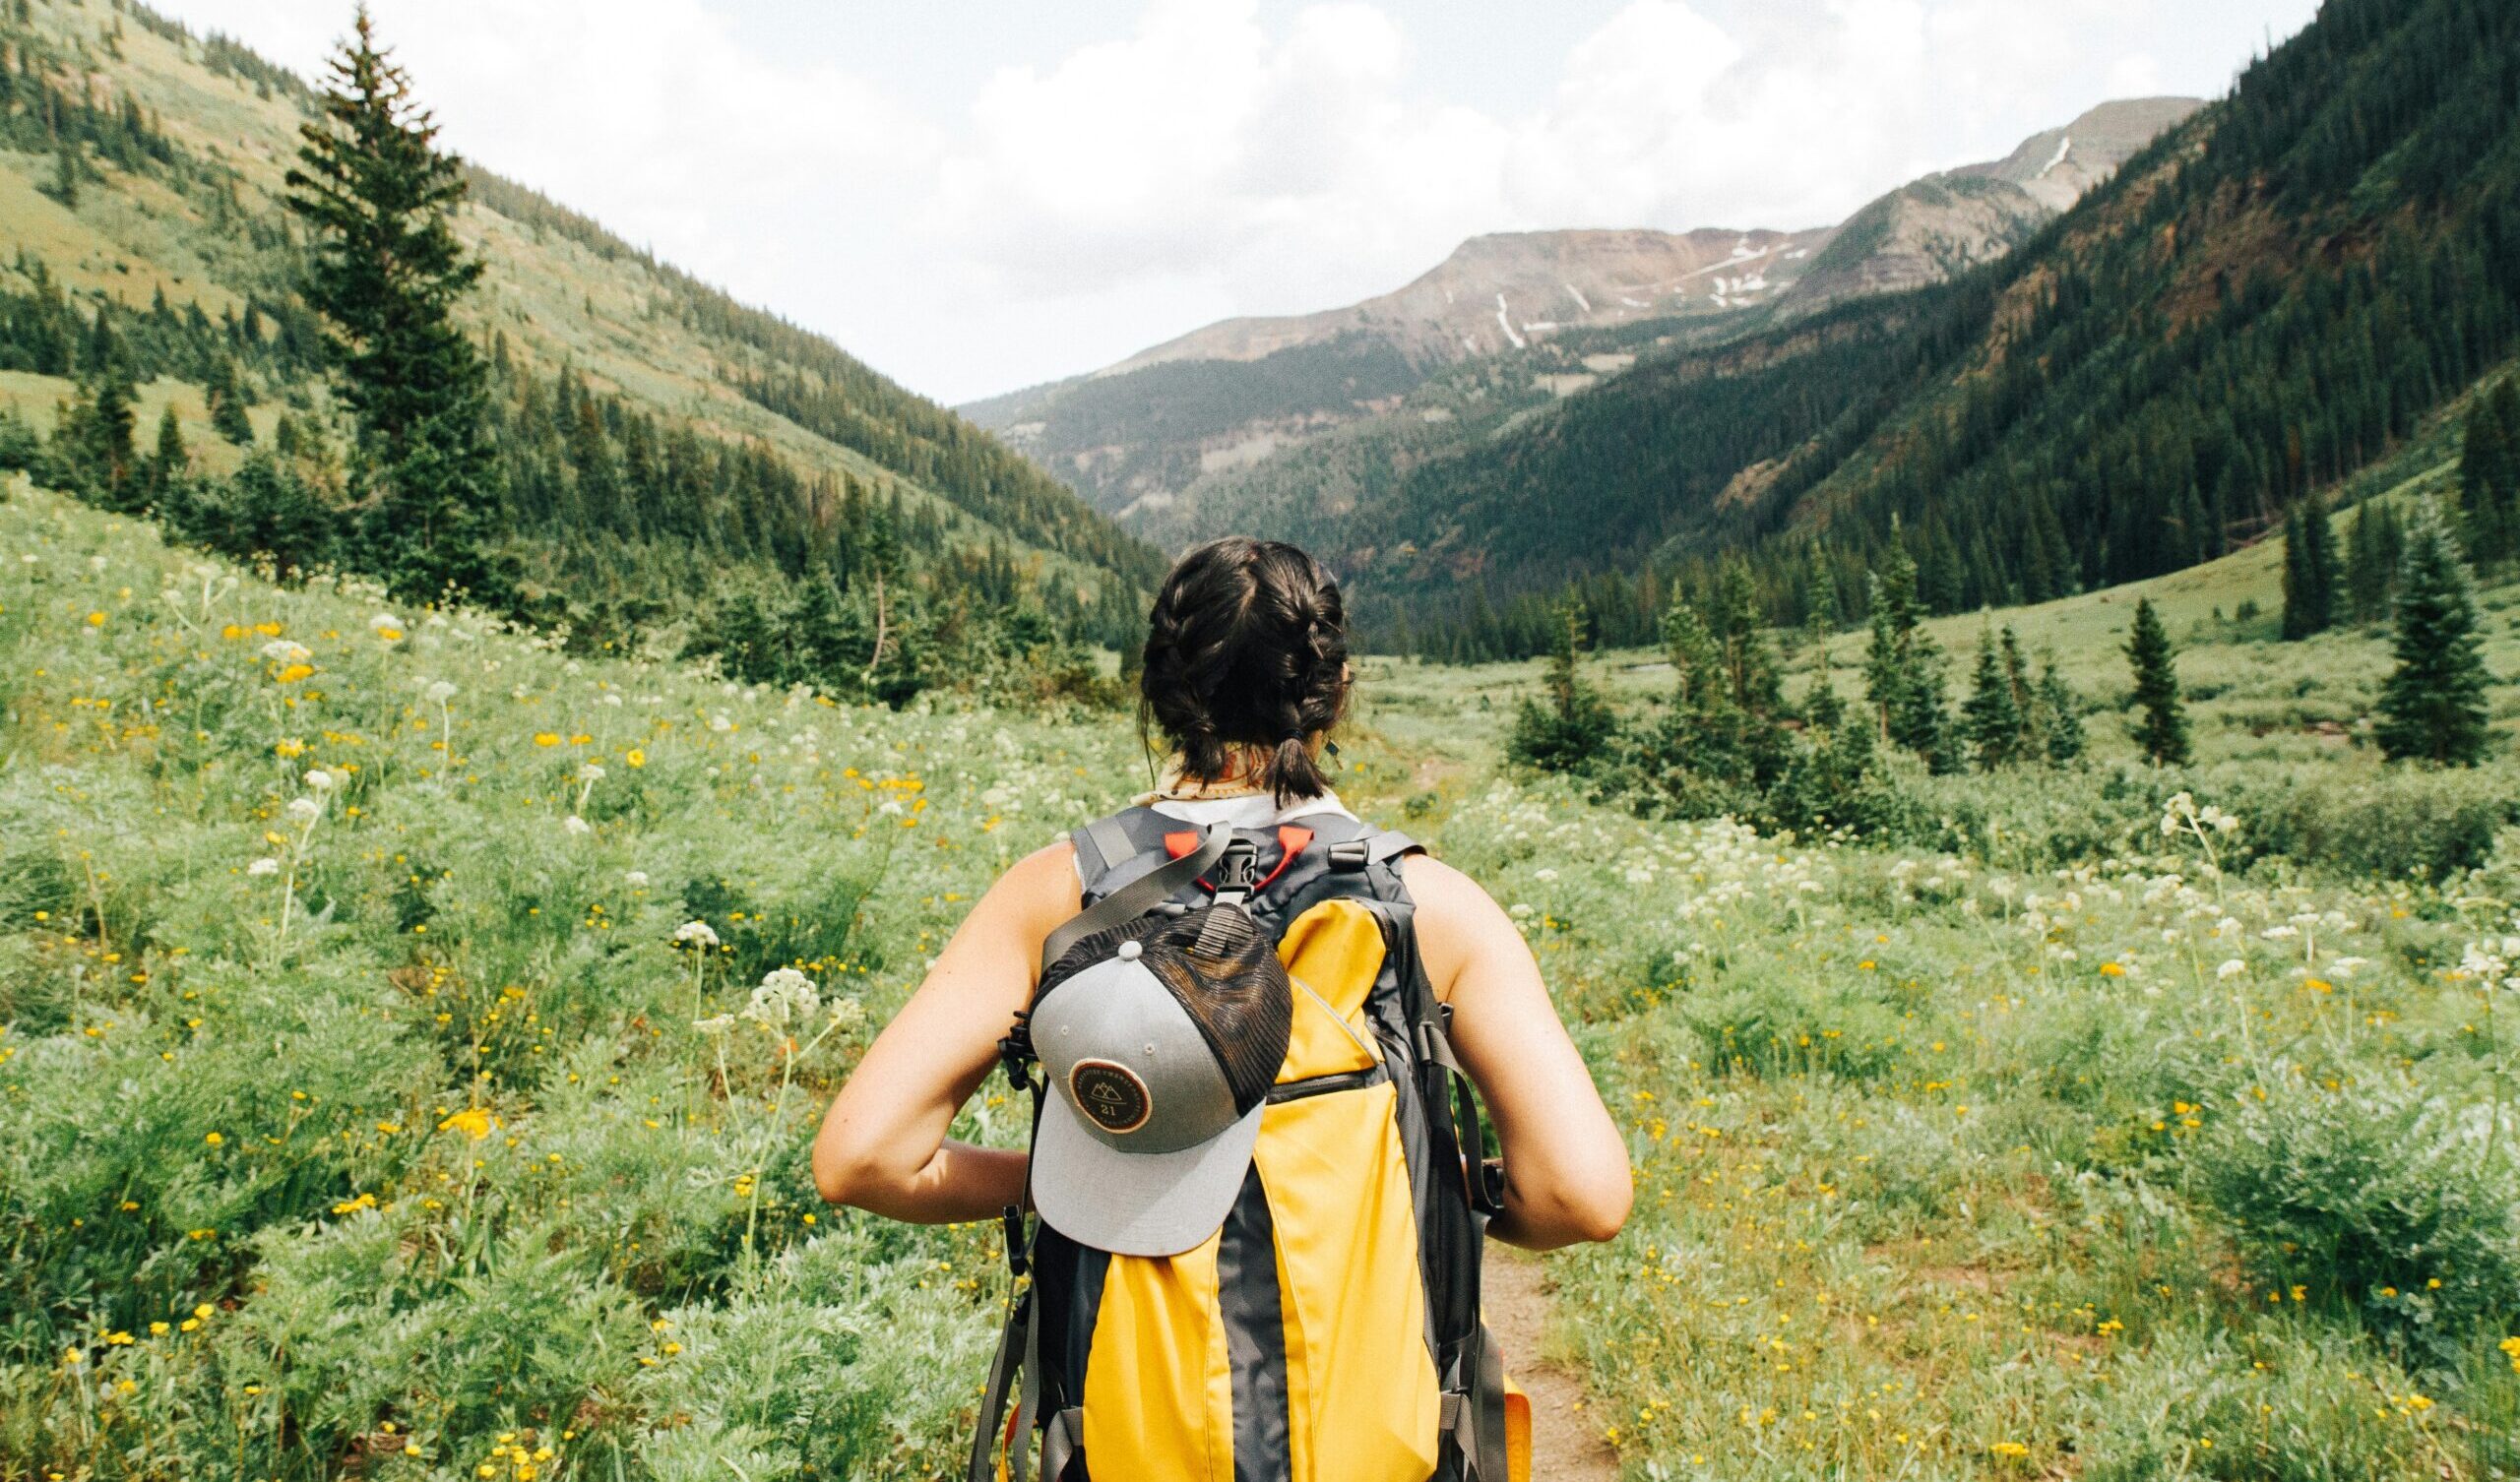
{"points": [[1215, 158]]}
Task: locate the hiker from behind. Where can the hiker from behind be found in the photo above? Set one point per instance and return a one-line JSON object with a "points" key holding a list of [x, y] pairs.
{"points": [[1252, 1208]]}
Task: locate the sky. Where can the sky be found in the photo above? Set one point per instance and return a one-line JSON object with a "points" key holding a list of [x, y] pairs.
{"points": [[974, 195]]}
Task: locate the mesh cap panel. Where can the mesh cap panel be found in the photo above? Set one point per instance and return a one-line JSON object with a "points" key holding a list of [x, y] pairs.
{"points": [[1235, 990], [1225, 973]]}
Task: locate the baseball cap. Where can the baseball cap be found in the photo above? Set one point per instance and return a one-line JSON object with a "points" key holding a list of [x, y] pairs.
{"points": [[1159, 1041]]}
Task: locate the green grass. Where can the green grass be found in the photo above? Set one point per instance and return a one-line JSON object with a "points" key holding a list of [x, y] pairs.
{"points": [[1946, 1169]]}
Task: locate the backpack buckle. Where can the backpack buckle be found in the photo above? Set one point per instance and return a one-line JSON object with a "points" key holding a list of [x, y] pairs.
{"points": [[1014, 1050], [1237, 870], [1349, 854]]}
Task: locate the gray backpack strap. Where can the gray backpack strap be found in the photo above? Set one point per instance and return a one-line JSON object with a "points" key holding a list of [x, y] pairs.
{"points": [[1138, 897], [1100, 845]]}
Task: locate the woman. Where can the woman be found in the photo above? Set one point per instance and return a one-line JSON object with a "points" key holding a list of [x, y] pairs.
{"points": [[1246, 674]]}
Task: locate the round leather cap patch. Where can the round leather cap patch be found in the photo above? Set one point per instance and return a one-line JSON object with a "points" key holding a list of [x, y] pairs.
{"points": [[1110, 1093]]}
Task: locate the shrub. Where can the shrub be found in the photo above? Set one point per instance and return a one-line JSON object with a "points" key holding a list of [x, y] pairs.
{"points": [[2378, 1203]]}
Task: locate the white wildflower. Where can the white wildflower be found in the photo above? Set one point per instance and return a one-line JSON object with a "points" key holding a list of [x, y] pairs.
{"points": [[783, 996], [637, 880], [2231, 968], [264, 866], [590, 773], [577, 828], [303, 811], [320, 780], [715, 1026], [280, 650], [441, 691], [695, 934]]}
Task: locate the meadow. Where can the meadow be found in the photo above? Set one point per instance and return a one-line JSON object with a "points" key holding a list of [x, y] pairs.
{"points": [[409, 1037]]}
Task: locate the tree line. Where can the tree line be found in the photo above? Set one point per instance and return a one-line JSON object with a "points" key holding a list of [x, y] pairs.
{"points": [[2123, 396], [474, 475]]}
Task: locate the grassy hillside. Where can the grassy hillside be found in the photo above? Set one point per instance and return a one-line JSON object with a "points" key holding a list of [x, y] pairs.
{"points": [[658, 437], [370, 1113]]}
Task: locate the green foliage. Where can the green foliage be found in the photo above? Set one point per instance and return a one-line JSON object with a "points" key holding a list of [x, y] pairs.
{"points": [[2313, 580], [2489, 475], [1993, 719], [2162, 730], [1569, 729], [2143, 385], [386, 273], [2378, 1203], [226, 399], [1903, 668], [2432, 708], [2375, 545]]}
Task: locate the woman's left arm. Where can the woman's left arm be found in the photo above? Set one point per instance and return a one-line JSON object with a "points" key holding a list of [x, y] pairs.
{"points": [[883, 1146]]}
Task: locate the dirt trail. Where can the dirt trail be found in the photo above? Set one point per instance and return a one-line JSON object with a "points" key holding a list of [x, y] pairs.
{"points": [[1567, 1437]]}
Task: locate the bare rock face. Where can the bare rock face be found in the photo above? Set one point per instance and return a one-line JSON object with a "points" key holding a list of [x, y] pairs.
{"points": [[1237, 394], [1501, 292], [1931, 228]]}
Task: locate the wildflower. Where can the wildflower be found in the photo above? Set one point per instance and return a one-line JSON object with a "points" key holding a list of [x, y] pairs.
{"points": [[475, 1123], [577, 826], [637, 880], [263, 866], [716, 1025], [386, 625], [282, 650], [303, 811], [846, 1013], [635, 756], [546, 738], [214, 1139], [785, 995], [2112, 969], [2231, 968], [441, 691], [695, 934], [590, 773], [320, 780]]}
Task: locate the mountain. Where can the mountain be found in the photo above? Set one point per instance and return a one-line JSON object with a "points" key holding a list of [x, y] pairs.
{"points": [[1560, 309], [2257, 307], [663, 445], [1933, 228]]}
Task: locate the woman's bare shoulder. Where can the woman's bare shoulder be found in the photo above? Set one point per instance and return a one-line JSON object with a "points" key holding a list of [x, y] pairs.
{"points": [[1444, 893]]}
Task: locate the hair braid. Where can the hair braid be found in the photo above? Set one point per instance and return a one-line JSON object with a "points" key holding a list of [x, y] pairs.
{"points": [[1246, 645]]}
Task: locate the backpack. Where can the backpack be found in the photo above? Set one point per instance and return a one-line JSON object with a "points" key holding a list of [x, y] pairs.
{"points": [[1330, 1330]]}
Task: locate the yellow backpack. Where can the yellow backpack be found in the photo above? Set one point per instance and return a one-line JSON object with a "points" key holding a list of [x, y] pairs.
{"points": [[1329, 1331]]}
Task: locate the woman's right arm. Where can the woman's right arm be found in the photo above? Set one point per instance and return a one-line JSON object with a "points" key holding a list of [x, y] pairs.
{"points": [[883, 1146], [1566, 1170]]}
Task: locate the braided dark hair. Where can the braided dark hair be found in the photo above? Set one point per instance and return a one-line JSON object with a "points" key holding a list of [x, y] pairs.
{"points": [[1247, 646]]}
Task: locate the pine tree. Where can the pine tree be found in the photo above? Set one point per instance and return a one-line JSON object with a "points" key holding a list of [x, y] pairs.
{"points": [[1748, 659], [168, 462], [2163, 732], [2372, 546], [2490, 476], [2060, 720], [2433, 707], [1568, 732], [2311, 579], [1991, 718], [386, 273], [65, 174], [226, 399], [93, 440], [1902, 667]]}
